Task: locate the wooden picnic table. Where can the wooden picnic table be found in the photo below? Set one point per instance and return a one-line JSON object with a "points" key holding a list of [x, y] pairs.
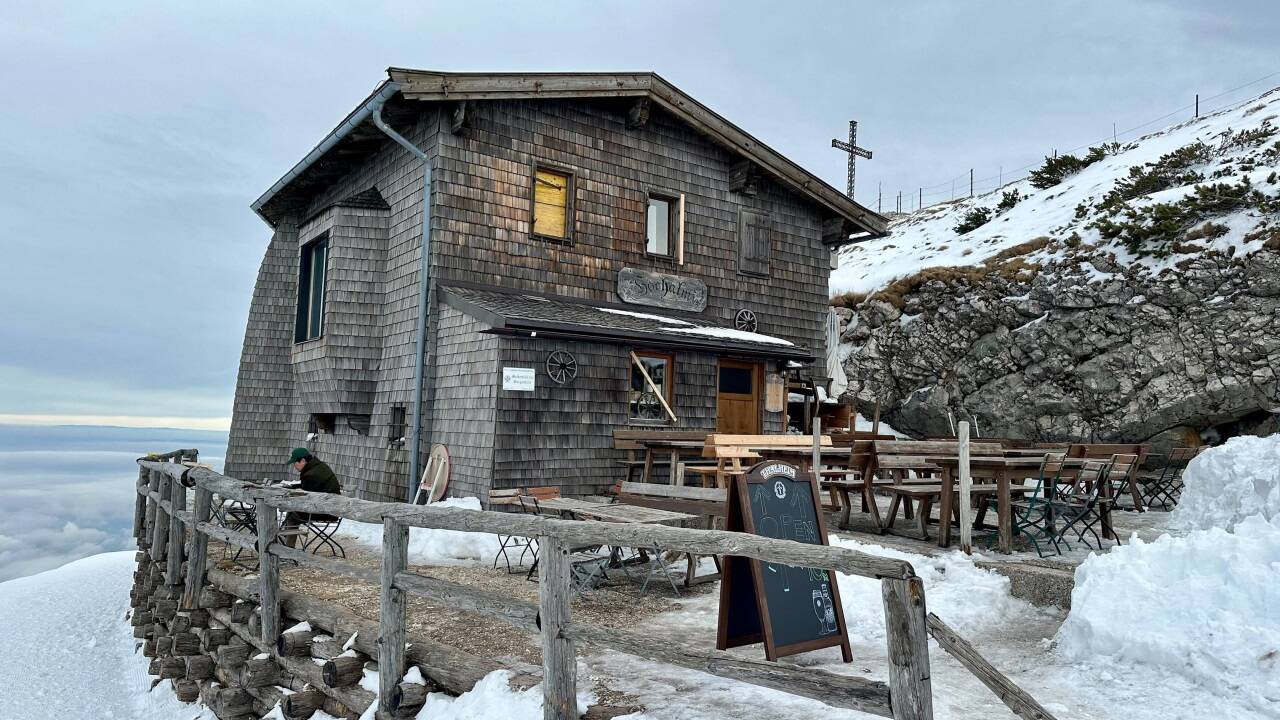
{"points": [[614, 512], [675, 447]]}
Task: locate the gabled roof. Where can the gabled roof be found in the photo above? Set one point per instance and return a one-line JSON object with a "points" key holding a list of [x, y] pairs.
{"points": [[511, 312], [356, 136]]}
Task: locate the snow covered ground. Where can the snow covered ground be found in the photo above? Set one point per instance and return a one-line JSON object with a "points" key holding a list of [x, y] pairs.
{"points": [[927, 238], [69, 650], [434, 547]]}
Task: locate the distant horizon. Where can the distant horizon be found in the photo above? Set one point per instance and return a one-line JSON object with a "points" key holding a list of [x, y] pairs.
{"points": [[135, 422]]}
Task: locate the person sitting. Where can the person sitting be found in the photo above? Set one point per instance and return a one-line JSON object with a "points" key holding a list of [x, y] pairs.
{"points": [[316, 476]]}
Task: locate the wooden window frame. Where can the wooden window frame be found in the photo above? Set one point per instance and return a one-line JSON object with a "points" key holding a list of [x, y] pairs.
{"points": [[302, 326], [570, 190], [669, 389], [764, 220], [397, 427], [673, 223]]}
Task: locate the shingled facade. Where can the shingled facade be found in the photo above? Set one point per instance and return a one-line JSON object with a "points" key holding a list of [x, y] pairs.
{"points": [[687, 246]]}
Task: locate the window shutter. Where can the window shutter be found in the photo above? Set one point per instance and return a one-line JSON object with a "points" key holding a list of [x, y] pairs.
{"points": [[754, 243], [550, 203]]}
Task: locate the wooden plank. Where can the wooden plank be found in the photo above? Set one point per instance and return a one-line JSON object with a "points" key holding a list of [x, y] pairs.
{"points": [[268, 572], [966, 490], [173, 557], [683, 492], [199, 549], [559, 661], [836, 690], [910, 686], [575, 532], [391, 613], [1014, 697]]}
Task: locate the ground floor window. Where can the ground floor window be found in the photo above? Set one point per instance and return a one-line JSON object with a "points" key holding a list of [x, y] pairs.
{"points": [[649, 393]]}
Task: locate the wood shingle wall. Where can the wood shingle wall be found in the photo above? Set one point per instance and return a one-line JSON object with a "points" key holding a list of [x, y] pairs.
{"points": [[466, 381]]}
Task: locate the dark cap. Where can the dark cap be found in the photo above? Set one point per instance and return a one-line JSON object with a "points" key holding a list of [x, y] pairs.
{"points": [[299, 454]]}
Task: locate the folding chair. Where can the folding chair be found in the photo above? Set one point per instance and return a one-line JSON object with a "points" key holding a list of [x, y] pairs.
{"points": [[1033, 517], [322, 529], [1086, 500], [1165, 486]]}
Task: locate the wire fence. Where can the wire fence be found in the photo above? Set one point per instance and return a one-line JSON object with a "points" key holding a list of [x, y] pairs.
{"points": [[966, 184]]}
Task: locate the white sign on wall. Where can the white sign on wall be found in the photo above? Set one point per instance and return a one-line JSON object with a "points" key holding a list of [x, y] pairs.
{"points": [[518, 379]]}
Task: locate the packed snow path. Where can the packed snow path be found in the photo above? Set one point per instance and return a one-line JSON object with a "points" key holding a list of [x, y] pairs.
{"points": [[69, 650]]}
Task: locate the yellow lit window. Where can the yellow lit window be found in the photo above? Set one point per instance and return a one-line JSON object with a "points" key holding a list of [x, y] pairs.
{"points": [[551, 203]]}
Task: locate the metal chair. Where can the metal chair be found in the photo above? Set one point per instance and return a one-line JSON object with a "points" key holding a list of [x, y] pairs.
{"points": [[1033, 517], [1165, 486], [322, 529], [1087, 500]]}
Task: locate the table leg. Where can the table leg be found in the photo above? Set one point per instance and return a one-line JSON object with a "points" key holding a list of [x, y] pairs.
{"points": [[869, 501], [845, 506], [1003, 511], [648, 465], [1138, 505], [1108, 531], [675, 460], [944, 509]]}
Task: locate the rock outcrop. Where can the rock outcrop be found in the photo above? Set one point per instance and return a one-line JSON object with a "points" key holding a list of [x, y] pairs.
{"points": [[1076, 347]]}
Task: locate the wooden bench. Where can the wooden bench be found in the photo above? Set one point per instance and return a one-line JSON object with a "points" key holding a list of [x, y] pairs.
{"points": [[889, 467]]}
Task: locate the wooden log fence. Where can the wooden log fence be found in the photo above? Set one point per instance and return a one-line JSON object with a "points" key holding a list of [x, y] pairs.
{"points": [[170, 533]]}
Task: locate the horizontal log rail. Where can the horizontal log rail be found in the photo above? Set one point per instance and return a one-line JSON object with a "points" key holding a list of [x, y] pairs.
{"points": [[163, 521], [577, 532]]}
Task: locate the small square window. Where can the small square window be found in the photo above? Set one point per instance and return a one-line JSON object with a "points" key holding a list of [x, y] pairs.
{"points": [[643, 402], [552, 203], [660, 225]]}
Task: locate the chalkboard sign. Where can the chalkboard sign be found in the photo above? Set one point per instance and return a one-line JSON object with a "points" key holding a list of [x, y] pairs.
{"points": [[790, 609]]}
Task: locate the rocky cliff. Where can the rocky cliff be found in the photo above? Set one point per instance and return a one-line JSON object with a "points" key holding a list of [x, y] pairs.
{"points": [[1136, 295]]}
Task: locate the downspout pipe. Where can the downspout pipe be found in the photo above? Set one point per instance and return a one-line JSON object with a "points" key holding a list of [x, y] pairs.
{"points": [[415, 434]]}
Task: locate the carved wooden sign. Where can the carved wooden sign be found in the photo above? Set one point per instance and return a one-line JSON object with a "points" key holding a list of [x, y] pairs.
{"points": [[642, 287]]}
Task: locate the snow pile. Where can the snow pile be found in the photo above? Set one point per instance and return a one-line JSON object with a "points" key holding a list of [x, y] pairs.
{"points": [[927, 238], [1203, 606], [1229, 483], [98, 675], [434, 547], [969, 598], [492, 697]]}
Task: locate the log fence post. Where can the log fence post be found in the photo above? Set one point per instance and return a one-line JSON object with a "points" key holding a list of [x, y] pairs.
{"points": [[160, 533], [153, 485], [268, 571], [199, 550], [140, 506], [966, 489], [178, 502], [906, 629], [391, 615], [559, 661]]}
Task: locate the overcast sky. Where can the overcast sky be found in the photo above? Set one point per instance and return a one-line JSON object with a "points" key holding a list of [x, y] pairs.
{"points": [[133, 140]]}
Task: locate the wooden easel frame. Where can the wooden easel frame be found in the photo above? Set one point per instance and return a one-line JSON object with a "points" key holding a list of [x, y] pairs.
{"points": [[738, 518]]}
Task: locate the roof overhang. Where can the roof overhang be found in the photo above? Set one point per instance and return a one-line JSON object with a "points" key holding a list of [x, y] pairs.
{"points": [[432, 86], [505, 323]]}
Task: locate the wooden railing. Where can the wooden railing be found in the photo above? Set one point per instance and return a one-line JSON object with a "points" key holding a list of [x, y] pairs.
{"points": [[163, 518]]}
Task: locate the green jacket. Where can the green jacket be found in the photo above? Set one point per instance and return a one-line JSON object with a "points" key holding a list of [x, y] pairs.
{"points": [[318, 477]]}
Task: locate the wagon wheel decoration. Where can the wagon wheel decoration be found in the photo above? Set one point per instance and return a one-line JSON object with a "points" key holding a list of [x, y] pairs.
{"points": [[745, 320], [562, 367], [648, 406]]}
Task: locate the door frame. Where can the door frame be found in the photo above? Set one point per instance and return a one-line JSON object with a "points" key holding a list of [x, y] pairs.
{"points": [[757, 389]]}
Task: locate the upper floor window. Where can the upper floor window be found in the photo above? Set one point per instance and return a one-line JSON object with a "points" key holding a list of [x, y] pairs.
{"points": [[552, 203], [755, 238], [312, 264], [661, 222]]}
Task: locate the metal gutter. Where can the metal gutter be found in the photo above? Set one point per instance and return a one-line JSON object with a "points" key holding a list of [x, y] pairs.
{"points": [[369, 107], [424, 284]]}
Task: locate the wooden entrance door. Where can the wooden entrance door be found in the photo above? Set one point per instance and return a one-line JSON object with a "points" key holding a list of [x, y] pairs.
{"points": [[738, 397]]}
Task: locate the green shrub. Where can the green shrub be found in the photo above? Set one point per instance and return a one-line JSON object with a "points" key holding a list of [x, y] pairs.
{"points": [[973, 219], [1171, 170], [1152, 229], [1008, 200], [1057, 169], [1245, 139]]}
